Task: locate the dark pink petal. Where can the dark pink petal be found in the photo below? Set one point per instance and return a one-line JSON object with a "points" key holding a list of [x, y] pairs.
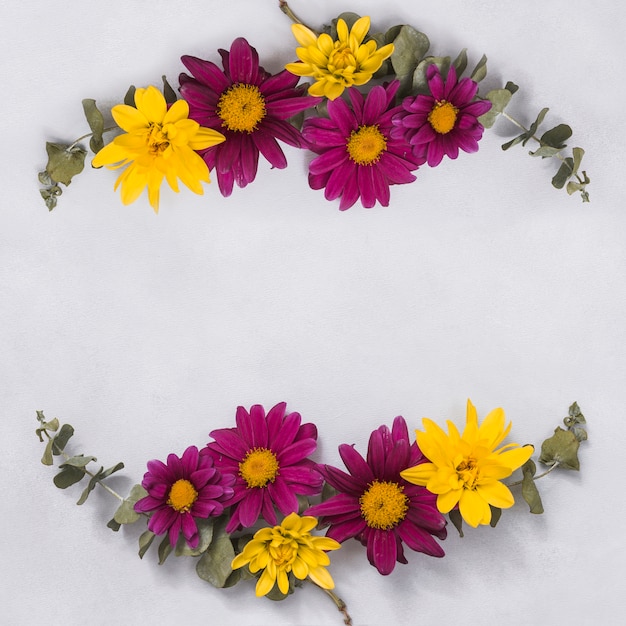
{"points": [[243, 62], [399, 430], [282, 496], [159, 490], [356, 464], [278, 82], [375, 106], [450, 83], [283, 131], [342, 116], [227, 154], [357, 101], [307, 430], [478, 108], [339, 505], [320, 138], [435, 152], [244, 426], [345, 483], [148, 503], [287, 434], [230, 442], [210, 508], [275, 420], [267, 508], [382, 550], [304, 475], [162, 519], [174, 530], [160, 471], [189, 528], [189, 460], [418, 539], [427, 517], [200, 478], [380, 186], [288, 107], [366, 186], [395, 169], [350, 192], [259, 426], [225, 181], [463, 92], [347, 529], [376, 454], [318, 181], [338, 179], [250, 507], [296, 452], [435, 82], [207, 73], [269, 148], [328, 161]]}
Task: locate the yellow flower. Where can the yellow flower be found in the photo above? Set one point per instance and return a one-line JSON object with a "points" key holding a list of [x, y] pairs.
{"points": [[336, 65], [288, 548], [467, 469], [158, 143]]}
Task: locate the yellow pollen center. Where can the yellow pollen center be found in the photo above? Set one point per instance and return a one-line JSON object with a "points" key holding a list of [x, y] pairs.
{"points": [[384, 504], [283, 554], [341, 58], [241, 108], [182, 496], [366, 145], [442, 117], [259, 467], [467, 472], [158, 140]]}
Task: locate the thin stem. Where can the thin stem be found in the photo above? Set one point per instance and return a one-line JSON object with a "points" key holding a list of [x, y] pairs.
{"points": [[106, 130], [67, 457], [286, 9], [519, 482], [339, 603]]}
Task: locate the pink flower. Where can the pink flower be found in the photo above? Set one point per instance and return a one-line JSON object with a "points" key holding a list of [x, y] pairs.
{"points": [[378, 507], [444, 121], [359, 158], [266, 455], [187, 488], [247, 105]]}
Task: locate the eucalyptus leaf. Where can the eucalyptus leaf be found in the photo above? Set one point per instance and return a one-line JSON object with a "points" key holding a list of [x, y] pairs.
{"points": [[234, 578], [480, 71], [392, 33], [578, 154], [49, 199], [457, 520], [574, 414], [96, 124], [564, 173], [91, 485], [579, 433], [460, 63], [68, 476], [514, 142], [557, 136], [572, 187], [61, 438], [410, 46], [530, 493], [165, 549], [52, 425], [205, 532], [129, 97], [116, 468], [499, 99], [545, 151], [561, 448], [535, 125], [328, 491], [145, 541], [47, 458], [125, 513], [113, 525], [168, 92], [511, 86], [214, 565], [496, 514], [78, 461], [44, 178], [64, 161]]}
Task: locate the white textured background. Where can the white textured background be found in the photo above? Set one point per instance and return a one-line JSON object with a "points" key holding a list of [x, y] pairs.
{"points": [[145, 332]]}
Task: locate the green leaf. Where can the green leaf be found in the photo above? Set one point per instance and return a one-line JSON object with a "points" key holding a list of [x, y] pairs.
{"points": [[512, 87], [64, 161], [205, 531], [574, 416], [457, 520], [496, 514], [61, 438], [392, 33], [480, 71], [277, 595], [125, 513], [78, 461], [557, 136], [535, 125], [165, 549], [564, 173], [499, 99], [168, 91], [96, 124], [47, 458], [44, 178], [52, 425], [129, 97], [579, 433], [234, 578], [91, 485], [545, 151], [68, 476], [530, 493], [328, 491], [145, 541], [410, 46], [113, 525], [514, 142], [561, 448], [215, 564], [578, 154], [460, 63], [116, 468]]}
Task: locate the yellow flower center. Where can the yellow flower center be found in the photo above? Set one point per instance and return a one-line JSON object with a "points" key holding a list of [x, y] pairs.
{"points": [[241, 108], [384, 505], [182, 495], [341, 58], [366, 145], [283, 551], [259, 467], [158, 140], [442, 117], [467, 472]]}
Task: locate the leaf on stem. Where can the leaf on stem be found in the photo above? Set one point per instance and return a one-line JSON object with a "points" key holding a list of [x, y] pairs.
{"points": [[64, 161], [125, 513], [561, 448], [530, 493], [96, 124]]}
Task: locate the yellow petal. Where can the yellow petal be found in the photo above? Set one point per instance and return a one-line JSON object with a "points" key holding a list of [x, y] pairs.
{"points": [[447, 501], [239, 561], [304, 36], [300, 569], [177, 112], [474, 509], [205, 138], [496, 494], [321, 577], [516, 458], [265, 584], [420, 474], [342, 31], [111, 153], [325, 43], [299, 69], [360, 28], [283, 581], [129, 118], [151, 103]]}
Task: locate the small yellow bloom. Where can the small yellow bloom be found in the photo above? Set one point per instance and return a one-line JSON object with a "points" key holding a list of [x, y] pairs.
{"points": [[336, 65], [158, 143], [288, 548], [467, 469]]}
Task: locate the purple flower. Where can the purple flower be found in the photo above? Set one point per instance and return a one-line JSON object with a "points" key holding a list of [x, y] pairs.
{"points": [[267, 457], [444, 121], [359, 158], [246, 104], [187, 488], [378, 507]]}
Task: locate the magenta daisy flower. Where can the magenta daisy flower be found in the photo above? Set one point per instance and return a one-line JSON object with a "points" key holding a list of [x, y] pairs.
{"points": [[181, 491], [267, 457], [444, 121], [378, 507], [359, 158], [247, 105]]}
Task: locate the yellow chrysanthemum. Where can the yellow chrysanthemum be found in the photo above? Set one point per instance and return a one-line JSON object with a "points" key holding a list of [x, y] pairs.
{"points": [[158, 143], [336, 65], [288, 548], [467, 469]]}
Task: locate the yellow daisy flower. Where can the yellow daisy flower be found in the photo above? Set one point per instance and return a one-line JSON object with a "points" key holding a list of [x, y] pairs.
{"points": [[466, 469], [288, 548], [336, 65], [158, 143]]}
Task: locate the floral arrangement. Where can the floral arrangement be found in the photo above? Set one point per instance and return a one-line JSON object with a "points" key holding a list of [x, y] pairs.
{"points": [[378, 108], [252, 503], [244, 506]]}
